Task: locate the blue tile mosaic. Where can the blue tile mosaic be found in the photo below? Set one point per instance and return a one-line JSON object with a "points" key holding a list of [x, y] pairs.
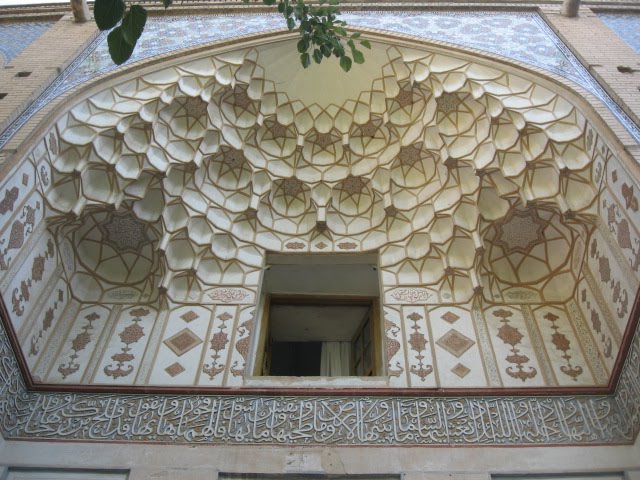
{"points": [[16, 36], [626, 26], [520, 36]]}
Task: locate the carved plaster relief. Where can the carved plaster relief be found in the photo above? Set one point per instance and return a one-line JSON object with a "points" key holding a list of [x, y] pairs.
{"points": [[457, 350], [477, 186]]}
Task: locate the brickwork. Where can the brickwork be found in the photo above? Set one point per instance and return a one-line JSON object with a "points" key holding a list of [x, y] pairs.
{"points": [[44, 59], [603, 52]]}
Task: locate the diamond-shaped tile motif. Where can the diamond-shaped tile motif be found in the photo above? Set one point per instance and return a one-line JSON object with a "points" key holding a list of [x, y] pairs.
{"points": [[190, 316], [455, 343], [461, 370], [183, 341], [450, 317], [174, 369]]}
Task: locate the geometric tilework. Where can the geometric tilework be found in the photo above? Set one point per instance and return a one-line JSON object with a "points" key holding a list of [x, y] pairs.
{"points": [[16, 36], [625, 25]]}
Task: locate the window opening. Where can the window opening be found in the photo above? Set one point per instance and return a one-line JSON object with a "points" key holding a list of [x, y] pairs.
{"points": [[320, 317]]}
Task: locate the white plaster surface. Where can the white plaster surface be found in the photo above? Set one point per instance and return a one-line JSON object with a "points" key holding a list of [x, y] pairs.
{"points": [[203, 462]]}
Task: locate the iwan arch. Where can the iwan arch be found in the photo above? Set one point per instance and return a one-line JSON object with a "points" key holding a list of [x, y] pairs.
{"points": [[500, 206]]}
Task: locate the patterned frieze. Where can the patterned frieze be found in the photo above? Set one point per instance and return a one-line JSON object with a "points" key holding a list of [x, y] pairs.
{"points": [[321, 420]]}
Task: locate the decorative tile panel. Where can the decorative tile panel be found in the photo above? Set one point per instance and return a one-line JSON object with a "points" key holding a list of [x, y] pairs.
{"points": [[596, 313], [45, 322], [126, 347], [30, 278], [562, 346], [79, 345], [165, 362], [457, 349], [16, 36], [626, 26], [512, 345], [218, 349], [419, 347], [611, 278]]}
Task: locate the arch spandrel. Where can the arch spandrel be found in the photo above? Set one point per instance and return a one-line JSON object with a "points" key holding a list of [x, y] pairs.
{"points": [[479, 185]]}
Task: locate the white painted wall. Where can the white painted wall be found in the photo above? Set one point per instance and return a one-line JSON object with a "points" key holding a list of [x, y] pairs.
{"points": [[200, 462]]}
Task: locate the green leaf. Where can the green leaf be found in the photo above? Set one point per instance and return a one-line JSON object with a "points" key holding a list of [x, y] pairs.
{"points": [[317, 55], [303, 45], [119, 49], [358, 57], [291, 23], [340, 31], [166, 3], [355, 35], [281, 7], [365, 43], [133, 23], [108, 13], [269, 2], [345, 63], [305, 60]]}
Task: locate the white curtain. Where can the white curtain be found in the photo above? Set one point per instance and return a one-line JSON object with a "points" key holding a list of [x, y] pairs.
{"points": [[335, 359]]}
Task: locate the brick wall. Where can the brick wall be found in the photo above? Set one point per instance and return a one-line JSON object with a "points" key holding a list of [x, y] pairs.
{"points": [[36, 67], [601, 51]]}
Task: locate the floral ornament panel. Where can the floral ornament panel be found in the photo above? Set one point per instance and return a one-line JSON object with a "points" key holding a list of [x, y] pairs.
{"points": [[562, 346], [512, 345], [126, 347], [79, 345]]}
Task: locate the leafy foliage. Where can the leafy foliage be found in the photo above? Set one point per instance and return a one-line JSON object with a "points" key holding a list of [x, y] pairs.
{"points": [[322, 34]]}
